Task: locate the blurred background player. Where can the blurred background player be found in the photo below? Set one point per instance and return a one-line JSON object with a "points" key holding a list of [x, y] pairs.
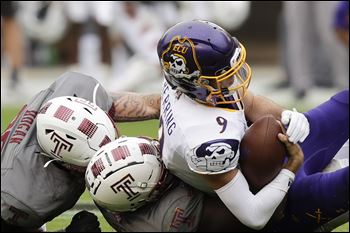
{"points": [[89, 23], [11, 41], [312, 46], [230, 14], [137, 26], [135, 32], [91, 37], [341, 22]]}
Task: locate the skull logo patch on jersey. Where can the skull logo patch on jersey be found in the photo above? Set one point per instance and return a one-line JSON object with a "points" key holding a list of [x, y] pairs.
{"points": [[216, 156]]}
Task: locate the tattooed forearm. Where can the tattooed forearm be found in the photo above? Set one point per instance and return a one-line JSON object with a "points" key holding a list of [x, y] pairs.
{"points": [[136, 107], [153, 102]]}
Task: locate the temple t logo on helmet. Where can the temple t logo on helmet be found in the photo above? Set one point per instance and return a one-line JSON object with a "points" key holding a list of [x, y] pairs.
{"points": [[203, 61], [72, 129], [125, 174]]}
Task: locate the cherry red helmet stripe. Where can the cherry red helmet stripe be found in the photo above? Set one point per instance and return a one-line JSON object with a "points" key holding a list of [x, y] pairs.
{"points": [[97, 167], [88, 128], [147, 149], [105, 140], [63, 113], [120, 153]]}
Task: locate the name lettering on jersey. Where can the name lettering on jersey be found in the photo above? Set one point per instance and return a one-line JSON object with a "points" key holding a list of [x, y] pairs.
{"points": [[123, 185], [180, 219], [167, 114], [61, 144], [23, 127]]}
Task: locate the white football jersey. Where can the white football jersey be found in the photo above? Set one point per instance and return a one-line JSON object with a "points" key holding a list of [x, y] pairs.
{"points": [[198, 139]]}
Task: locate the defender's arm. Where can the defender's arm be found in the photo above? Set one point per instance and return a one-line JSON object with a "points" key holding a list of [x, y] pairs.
{"points": [[130, 106], [256, 106], [296, 123]]}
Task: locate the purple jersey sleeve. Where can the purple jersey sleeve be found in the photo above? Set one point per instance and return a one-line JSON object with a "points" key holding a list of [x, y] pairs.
{"points": [[316, 197]]}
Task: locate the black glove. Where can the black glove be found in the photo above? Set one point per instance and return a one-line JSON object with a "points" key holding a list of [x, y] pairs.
{"points": [[84, 221]]}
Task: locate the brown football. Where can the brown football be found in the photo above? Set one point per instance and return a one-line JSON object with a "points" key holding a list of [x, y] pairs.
{"points": [[261, 152]]}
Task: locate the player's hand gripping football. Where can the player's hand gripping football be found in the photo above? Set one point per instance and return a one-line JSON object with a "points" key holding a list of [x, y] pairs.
{"points": [[297, 125], [84, 221], [294, 152]]}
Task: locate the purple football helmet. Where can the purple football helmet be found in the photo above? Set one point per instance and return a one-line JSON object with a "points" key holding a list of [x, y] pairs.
{"points": [[203, 61]]}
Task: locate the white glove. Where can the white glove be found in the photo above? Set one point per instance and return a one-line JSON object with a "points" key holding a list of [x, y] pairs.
{"points": [[297, 125]]}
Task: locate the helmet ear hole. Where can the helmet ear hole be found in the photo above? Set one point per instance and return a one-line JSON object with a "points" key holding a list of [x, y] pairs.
{"points": [[88, 110], [71, 137], [48, 131]]}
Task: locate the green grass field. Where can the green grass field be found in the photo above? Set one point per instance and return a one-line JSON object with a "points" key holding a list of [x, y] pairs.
{"points": [[146, 128]]}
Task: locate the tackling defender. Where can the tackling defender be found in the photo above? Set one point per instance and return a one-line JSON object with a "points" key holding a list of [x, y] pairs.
{"points": [[45, 149]]}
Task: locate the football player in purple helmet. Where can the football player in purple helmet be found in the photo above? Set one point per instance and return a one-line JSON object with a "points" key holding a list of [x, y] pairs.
{"points": [[341, 22], [207, 76], [203, 61]]}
